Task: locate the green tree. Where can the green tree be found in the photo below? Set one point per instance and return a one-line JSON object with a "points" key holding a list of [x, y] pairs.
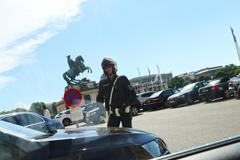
{"points": [[187, 81], [14, 110], [228, 70], [37, 107], [220, 74], [237, 71], [176, 82]]}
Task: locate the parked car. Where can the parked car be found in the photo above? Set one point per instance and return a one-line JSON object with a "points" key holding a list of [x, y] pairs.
{"points": [[21, 143], [33, 121], [234, 87], [215, 89], [70, 116], [187, 95], [158, 99], [144, 95], [94, 113]]}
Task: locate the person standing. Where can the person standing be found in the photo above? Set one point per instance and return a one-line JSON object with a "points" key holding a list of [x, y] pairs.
{"points": [[46, 112], [118, 95]]}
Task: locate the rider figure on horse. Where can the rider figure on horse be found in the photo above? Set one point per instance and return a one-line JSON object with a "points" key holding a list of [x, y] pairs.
{"points": [[76, 67]]}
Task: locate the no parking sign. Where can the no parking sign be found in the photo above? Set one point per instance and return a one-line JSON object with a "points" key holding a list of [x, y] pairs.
{"points": [[73, 97]]}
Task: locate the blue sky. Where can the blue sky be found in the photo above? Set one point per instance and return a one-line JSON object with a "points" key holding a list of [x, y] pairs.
{"points": [[179, 36]]}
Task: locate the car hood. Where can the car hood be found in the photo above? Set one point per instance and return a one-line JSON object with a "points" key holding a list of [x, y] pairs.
{"points": [[93, 137]]}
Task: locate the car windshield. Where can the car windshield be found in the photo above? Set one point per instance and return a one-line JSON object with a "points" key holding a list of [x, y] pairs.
{"points": [[103, 63], [155, 94], [188, 87], [213, 82]]}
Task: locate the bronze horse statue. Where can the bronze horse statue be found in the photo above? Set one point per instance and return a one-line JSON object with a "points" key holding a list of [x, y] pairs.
{"points": [[75, 68]]}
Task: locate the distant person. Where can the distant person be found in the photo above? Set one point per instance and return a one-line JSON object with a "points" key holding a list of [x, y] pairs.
{"points": [[46, 112], [118, 95]]}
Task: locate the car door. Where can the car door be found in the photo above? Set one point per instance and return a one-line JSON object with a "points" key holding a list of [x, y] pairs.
{"points": [[32, 121]]}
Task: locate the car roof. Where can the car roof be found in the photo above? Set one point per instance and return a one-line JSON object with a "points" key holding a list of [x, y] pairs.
{"points": [[18, 113]]}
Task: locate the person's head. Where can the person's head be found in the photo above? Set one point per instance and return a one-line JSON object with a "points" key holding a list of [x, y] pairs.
{"points": [[44, 107], [109, 66]]}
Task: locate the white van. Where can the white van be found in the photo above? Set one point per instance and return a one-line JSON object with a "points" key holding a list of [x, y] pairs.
{"points": [[70, 116]]}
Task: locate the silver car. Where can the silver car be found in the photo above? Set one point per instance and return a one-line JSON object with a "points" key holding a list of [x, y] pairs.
{"points": [[33, 121]]}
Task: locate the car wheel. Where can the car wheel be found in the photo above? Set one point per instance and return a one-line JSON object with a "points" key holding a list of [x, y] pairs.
{"points": [[66, 122], [226, 95], [134, 111], [237, 93]]}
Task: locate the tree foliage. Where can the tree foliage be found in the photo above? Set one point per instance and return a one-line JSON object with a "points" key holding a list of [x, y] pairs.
{"points": [[37, 107], [230, 71], [176, 82], [14, 110]]}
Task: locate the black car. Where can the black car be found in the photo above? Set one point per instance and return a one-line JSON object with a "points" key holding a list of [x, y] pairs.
{"points": [[158, 99], [21, 143], [33, 121], [187, 95], [215, 89]]}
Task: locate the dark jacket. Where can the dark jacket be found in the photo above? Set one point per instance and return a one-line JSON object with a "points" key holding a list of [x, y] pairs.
{"points": [[123, 94]]}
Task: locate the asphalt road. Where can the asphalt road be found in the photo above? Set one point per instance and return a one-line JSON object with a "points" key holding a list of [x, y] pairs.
{"points": [[194, 125]]}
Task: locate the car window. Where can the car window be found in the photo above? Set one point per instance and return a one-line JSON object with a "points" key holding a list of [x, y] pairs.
{"points": [[11, 119], [198, 85], [67, 112], [28, 119], [169, 92], [147, 94], [225, 79], [153, 148]]}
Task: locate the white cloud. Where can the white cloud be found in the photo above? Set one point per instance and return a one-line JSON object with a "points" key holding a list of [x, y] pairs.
{"points": [[26, 24], [5, 81]]}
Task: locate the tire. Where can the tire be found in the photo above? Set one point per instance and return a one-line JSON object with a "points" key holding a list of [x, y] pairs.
{"points": [[207, 100], [226, 95], [66, 122], [134, 111], [237, 93]]}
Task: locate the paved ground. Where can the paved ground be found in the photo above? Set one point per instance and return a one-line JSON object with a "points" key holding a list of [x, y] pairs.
{"points": [[190, 126]]}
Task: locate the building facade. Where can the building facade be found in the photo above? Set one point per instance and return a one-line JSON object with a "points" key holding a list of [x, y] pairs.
{"points": [[153, 82]]}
